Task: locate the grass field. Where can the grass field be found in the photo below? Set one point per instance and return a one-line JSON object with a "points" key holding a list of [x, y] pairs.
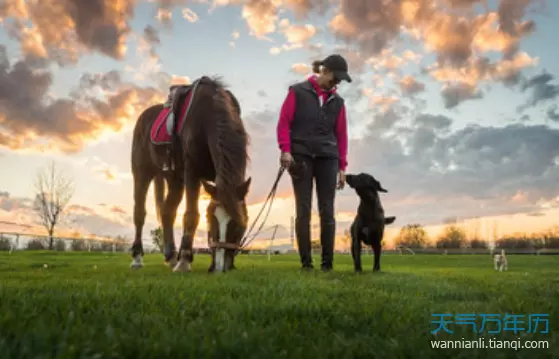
{"points": [[93, 306]]}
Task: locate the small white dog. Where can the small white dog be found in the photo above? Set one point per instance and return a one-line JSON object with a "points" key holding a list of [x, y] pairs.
{"points": [[500, 261]]}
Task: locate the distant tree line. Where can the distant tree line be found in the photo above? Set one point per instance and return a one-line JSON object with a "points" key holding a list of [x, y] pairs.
{"points": [[414, 236], [75, 245]]}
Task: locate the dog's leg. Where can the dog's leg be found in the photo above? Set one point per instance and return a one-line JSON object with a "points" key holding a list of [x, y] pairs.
{"points": [[377, 248], [356, 248]]}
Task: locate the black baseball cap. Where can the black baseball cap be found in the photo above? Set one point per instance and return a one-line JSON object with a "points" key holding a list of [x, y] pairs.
{"points": [[338, 65]]}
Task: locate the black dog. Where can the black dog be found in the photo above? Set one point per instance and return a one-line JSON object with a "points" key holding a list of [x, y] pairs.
{"points": [[368, 225]]}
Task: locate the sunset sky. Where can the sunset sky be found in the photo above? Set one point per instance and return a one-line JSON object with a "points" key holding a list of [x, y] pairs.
{"points": [[453, 107]]}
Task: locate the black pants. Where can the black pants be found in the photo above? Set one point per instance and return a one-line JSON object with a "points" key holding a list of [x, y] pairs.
{"points": [[325, 172]]}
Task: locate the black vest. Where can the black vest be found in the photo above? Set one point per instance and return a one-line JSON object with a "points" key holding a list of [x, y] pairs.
{"points": [[313, 130]]}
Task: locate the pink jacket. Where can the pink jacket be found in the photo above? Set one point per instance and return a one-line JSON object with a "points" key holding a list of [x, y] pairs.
{"points": [[286, 117]]}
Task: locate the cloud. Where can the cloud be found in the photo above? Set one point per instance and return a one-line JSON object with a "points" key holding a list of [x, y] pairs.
{"points": [[165, 10], [85, 220], [301, 69], [261, 17], [63, 30], [454, 94], [553, 113], [541, 90], [458, 36], [411, 86], [28, 116], [108, 173], [296, 36], [189, 15], [150, 40], [235, 35], [429, 169]]}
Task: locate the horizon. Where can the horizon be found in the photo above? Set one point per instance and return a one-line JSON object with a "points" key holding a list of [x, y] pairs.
{"points": [[453, 107]]}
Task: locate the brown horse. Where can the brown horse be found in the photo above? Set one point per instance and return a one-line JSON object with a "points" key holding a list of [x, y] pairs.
{"points": [[212, 146]]}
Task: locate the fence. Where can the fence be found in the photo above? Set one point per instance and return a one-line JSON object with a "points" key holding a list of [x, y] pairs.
{"points": [[10, 241]]}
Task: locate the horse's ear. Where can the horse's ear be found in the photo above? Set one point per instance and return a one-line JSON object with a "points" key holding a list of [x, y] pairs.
{"points": [[242, 190], [209, 188]]}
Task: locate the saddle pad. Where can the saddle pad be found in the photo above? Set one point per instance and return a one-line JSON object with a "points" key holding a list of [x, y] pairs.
{"points": [[159, 133]]}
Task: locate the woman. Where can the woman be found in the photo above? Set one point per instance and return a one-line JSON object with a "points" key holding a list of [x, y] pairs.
{"points": [[312, 137]]}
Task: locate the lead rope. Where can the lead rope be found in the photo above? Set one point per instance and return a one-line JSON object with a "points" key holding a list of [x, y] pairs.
{"points": [[246, 241]]}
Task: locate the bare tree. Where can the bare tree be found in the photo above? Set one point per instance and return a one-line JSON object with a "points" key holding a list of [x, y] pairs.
{"points": [[53, 192]]}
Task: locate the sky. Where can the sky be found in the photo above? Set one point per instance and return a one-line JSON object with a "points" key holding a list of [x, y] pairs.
{"points": [[453, 107]]}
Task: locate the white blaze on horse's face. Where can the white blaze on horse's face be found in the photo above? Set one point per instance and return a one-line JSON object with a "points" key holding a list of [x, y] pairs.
{"points": [[223, 219]]}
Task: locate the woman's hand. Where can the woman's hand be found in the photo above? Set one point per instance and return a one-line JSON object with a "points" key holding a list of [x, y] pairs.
{"points": [[341, 179], [286, 160]]}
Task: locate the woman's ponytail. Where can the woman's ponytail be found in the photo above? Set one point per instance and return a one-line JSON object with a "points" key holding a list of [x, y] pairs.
{"points": [[316, 66]]}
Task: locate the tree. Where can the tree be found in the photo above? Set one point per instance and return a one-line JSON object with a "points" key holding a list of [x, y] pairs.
{"points": [[345, 240], [412, 236], [452, 237], [53, 192], [478, 244], [315, 244], [157, 238]]}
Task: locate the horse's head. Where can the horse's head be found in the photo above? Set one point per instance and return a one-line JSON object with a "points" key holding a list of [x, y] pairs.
{"points": [[227, 222]]}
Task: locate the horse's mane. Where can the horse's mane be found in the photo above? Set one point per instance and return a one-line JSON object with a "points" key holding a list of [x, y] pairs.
{"points": [[232, 141]]}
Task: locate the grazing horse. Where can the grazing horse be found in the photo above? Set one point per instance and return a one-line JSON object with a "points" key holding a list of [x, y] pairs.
{"points": [[210, 144]]}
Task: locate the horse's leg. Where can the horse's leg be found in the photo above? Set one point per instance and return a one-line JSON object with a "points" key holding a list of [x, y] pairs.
{"points": [[190, 221], [168, 215], [141, 186]]}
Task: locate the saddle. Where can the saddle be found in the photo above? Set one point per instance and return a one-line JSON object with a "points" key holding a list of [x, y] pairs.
{"points": [[177, 94]]}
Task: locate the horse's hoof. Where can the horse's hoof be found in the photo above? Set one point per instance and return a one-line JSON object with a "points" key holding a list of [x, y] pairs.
{"points": [[172, 263], [182, 267], [137, 262]]}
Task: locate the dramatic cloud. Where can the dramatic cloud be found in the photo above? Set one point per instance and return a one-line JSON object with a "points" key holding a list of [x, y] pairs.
{"points": [[458, 36], [430, 170], [28, 115], [61, 30], [427, 168]]}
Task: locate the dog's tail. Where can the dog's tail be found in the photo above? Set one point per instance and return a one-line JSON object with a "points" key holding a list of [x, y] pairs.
{"points": [[389, 220]]}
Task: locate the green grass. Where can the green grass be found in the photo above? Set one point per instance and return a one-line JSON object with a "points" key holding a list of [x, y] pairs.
{"points": [[94, 306]]}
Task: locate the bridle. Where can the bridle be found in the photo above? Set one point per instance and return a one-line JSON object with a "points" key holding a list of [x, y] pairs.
{"points": [[245, 241], [217, 244]]}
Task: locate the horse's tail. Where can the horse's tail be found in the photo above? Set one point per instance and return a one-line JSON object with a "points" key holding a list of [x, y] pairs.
{"points": [[159, 192]]}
